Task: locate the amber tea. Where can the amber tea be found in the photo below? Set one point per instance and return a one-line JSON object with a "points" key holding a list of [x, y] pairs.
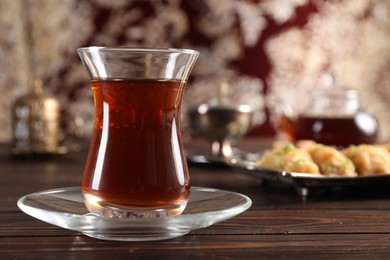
{"points": [[136, 120]]}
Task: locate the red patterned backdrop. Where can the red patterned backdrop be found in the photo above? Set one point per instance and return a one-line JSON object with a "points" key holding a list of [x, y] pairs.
{"points": [[260, 48]]}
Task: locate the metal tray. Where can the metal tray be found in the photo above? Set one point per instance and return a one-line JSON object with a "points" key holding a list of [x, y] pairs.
{"points": [[305, 182]]}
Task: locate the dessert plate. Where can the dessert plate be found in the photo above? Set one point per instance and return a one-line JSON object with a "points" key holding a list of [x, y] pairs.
{"points": [[65, 208], [214, 160]]}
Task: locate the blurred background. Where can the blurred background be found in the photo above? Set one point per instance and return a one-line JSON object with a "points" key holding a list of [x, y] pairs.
{"points": [[258, 48]]}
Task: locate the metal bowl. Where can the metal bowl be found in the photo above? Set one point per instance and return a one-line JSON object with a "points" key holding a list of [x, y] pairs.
{"points": [[221, 125]]}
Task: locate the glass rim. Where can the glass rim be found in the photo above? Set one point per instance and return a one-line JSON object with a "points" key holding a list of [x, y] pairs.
{"points": [[137, 49]]}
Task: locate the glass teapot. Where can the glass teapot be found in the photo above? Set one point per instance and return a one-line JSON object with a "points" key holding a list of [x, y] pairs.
{"points": [[333, 116]]}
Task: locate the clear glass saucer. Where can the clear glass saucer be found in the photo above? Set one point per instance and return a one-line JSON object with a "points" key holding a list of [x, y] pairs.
{"points": [[65, 208]]}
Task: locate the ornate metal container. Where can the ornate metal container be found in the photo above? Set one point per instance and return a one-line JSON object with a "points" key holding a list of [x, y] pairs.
{"points": [[36, 123]]}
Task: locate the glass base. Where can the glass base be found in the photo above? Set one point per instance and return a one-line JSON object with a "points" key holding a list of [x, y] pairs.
{"points": [[97, 207], [141, 234]]}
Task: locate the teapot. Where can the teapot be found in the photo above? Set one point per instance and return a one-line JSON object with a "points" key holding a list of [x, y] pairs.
{"points": [[333, 116]]}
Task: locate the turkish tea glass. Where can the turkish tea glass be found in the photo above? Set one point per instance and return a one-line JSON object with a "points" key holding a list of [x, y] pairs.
{"points": [[136, 166]]}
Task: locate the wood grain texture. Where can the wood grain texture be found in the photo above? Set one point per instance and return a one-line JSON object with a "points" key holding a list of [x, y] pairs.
{"points": [[336, 224]]}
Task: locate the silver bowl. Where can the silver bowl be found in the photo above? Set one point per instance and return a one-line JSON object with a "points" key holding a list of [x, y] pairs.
{"points": [[220, 125]]}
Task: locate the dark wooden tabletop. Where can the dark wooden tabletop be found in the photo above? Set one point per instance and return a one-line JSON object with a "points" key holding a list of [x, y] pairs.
{"points": [[349, 223]]}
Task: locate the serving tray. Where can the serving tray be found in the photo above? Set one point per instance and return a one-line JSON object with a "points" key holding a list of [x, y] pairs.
{"points": [[305, 182]]}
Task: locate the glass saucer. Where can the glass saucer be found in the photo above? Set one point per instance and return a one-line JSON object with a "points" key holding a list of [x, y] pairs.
{"points": [[65, 208]]}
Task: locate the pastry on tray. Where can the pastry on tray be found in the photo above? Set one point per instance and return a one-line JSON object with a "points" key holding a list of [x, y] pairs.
{"points": [[369, 159], [310, 157], [288, 158]]}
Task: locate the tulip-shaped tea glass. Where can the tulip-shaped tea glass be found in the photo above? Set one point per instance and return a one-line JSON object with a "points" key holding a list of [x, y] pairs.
{"points": [[136, 165]]}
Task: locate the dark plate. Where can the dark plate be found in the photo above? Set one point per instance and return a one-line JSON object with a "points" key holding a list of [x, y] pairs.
{"points": [[216, 161]]}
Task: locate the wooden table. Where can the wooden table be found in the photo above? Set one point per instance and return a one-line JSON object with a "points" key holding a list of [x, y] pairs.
{"points": [[348, 224]]}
